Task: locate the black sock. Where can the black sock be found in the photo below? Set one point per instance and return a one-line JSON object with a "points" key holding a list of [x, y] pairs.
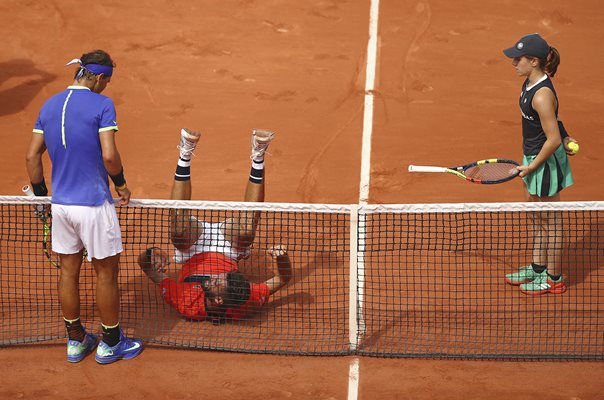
{"points": [[183, 170], [111, 335], [554, 277], [75, 330], [538, 268], [257, 172]]}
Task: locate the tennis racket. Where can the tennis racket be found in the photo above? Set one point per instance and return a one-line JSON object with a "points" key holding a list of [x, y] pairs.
{"points": [[485, 172], [43, 213]]}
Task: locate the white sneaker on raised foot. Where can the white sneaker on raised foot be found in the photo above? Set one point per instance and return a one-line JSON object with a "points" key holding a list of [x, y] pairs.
{"points": [[188, 141], [260, 141]]}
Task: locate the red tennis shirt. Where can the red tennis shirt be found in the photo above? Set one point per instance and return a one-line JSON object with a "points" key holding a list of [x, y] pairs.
{"points": [[186, 295]]}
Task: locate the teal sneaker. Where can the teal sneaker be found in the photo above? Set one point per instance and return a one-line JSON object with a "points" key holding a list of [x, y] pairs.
{"points": [[76, 351], [523, 275], [544, 284], [125, 349]]}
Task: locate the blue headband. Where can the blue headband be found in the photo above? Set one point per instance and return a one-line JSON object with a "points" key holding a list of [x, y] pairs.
{"points": [[98, 69]]}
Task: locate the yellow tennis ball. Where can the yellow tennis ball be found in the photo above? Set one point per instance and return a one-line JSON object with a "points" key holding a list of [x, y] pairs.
{"points": [[574, 147]]}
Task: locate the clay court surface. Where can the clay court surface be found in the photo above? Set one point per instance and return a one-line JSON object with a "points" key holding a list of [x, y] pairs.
{"points": [[444, 95]]}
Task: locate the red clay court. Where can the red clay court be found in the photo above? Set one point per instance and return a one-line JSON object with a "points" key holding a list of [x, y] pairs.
{"points": [[444, 94]]}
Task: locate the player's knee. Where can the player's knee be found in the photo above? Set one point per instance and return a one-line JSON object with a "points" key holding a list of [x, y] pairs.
{"points": [[107, 275], [182, 240]]}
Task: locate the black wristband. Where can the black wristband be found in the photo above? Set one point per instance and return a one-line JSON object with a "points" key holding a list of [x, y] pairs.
{"points": [[40, 189], [119, 180]]}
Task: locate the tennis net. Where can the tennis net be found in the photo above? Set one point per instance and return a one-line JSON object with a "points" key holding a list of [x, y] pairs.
{"points": [[416, 280]]}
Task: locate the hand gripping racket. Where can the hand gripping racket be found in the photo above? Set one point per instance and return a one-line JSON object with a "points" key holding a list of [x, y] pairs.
{"points": [[485, 172], [42, 211]]}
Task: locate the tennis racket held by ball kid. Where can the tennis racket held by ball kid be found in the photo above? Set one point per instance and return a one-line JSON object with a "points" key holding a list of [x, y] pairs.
{"points": [[485, 172]]}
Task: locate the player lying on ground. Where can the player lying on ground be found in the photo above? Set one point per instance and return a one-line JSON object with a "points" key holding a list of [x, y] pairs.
{"points": [[209, 284]]}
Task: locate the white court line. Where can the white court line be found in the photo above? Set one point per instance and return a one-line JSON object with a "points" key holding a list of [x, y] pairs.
{"points": [[354, 370], [369, 96], [353, 379]]}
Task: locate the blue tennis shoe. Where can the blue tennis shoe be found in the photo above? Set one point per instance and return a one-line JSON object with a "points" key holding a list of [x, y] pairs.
{"points": [[76, 351], [125, 349]]}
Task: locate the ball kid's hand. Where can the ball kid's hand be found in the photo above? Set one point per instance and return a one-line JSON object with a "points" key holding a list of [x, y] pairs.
{"points": [[524, 170], [571, 146]]}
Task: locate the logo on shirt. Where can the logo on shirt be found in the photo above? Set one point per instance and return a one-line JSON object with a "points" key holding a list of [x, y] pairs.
{"points": [[527, 116]]}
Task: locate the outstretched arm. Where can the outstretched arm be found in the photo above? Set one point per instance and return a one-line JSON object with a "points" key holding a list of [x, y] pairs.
{"points": [[284, 269]]}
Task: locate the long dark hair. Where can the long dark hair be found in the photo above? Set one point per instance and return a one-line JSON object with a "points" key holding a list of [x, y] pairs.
{"points": [[550, 64]]}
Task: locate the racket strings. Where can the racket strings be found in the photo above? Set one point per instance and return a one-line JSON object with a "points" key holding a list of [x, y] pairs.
{"points": [[492, 171]]}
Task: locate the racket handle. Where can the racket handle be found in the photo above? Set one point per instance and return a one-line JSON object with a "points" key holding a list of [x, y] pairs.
{"points": [[424, 168], [27, 191], [39, 209]]}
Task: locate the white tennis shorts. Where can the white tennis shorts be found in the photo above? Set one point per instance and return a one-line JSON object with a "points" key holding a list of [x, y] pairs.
{"points": [[211, 239], [95, 228]]}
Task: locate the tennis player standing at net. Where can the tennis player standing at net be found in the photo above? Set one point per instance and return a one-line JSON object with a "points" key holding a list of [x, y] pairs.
{"points": [[77, 127], [209, 284], [546, 168]]}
